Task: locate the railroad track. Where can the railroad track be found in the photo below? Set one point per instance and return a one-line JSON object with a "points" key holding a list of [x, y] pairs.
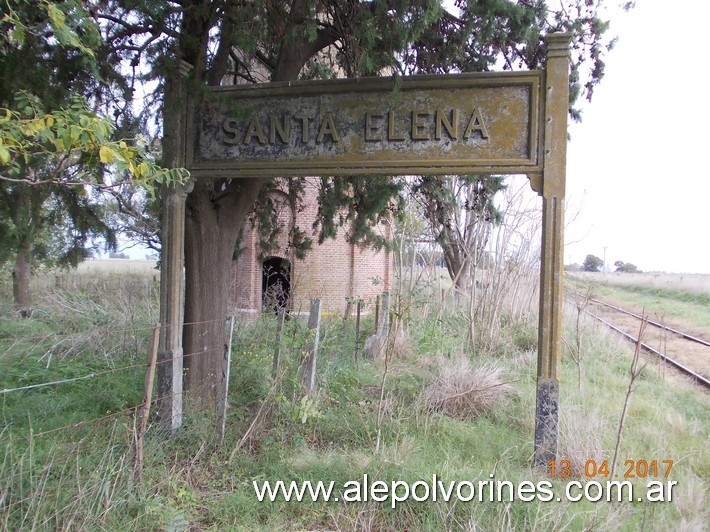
{"points": [[667, 333]]}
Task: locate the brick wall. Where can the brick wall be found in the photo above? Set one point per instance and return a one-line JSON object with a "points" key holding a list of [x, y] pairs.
{"points": [[333, 271]]}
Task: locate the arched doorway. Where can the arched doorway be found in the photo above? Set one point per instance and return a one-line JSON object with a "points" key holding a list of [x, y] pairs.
{"points": [[275, 283]]}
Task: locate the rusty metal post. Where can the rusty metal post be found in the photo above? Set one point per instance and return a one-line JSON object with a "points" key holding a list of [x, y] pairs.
{"points": [[551, 275], [172, 257]]}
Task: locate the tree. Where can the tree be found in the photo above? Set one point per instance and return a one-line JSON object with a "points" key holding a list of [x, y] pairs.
{"points": [[625, 267], [460, 214], [592, 263], [52, 146], [259, 41]]}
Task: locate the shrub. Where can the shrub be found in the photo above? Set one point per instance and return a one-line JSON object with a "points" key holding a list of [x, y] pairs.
{"points": [[463, 392]]}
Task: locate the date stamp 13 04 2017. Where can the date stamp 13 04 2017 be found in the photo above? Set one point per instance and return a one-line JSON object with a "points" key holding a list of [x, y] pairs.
{"points": [[630, 470]]}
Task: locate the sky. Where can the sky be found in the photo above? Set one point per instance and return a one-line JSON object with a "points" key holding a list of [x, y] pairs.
{"points": [[637, 188]]}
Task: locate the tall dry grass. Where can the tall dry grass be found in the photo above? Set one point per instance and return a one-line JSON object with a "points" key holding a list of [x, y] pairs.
{"points": [[462, 391], [695, 283]]}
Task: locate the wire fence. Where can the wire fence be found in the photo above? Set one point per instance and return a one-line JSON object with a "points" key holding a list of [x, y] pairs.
{"points": [[13, 467], [52, 449], [50, 410]]}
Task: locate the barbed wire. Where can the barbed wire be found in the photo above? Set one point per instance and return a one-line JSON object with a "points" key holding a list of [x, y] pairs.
{"points": [[113, 415], [72, 335], [57, 459], [111, 343], [71, 379], [74, 444], [102, 331], [53, 460], [101, 373]]}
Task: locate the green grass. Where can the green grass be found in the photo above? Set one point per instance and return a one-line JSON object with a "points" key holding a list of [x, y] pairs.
{"points": [[677, 305], [82, 478]]}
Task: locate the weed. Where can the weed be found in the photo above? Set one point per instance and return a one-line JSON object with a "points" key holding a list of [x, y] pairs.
{"points": [[81, 477], [463, 392]]}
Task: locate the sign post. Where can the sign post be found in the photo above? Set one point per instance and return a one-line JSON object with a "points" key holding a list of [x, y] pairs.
{"points": [[172, 261], [552, 266]]}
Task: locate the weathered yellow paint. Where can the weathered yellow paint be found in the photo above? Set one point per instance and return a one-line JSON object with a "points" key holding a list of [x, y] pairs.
{"points": [[172, 277], [551, 270], [485, 123]]}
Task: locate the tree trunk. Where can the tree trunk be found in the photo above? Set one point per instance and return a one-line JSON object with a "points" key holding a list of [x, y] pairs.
{"points": [[214, 216], [211, 230], [22, 296], [455, 260]]}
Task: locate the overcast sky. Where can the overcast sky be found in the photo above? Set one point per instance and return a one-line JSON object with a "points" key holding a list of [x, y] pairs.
{"points": [[636, 185], [635, 172]]}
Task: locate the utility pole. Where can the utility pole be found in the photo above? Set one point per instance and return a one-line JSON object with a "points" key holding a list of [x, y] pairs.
{"points": [[604, 265]]}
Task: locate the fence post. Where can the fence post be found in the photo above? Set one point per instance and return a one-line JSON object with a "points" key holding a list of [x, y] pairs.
{"points": [[357, 326], [377, 314], [277, 350], [310, 355], [226, 363], [147, 398], [385, 319], [348, 310]]}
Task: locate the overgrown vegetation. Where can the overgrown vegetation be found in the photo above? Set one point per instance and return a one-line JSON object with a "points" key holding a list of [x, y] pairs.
{"points": [[687, 305], [81, 477]]}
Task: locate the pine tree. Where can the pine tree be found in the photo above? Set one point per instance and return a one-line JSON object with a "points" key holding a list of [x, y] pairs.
{"points": [[52, 146]]}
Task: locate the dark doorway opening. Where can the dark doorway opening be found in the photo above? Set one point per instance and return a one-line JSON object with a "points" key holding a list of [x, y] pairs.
{"points": [[275, 283]]}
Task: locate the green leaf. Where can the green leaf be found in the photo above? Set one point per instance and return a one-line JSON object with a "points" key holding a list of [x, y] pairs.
{"points": [[57, 17], [142, 169], [18, 34], [4, 155], [106, 155], [66, 138]]}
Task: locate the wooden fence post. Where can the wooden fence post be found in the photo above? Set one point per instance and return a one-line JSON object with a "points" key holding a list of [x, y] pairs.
{"points": [[310, 355], [224, 392], [147, 398]]}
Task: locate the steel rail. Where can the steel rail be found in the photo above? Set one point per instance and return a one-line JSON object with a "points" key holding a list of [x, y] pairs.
{"points": [[699, 378], [657, 324]]}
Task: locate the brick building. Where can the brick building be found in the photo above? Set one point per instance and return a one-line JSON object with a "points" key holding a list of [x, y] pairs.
{"points": [[334, 271]]}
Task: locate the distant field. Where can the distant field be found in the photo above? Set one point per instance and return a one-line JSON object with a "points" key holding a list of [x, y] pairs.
{"points": [[117, 266], [696, 283], [680, 300], [94, 272]]}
